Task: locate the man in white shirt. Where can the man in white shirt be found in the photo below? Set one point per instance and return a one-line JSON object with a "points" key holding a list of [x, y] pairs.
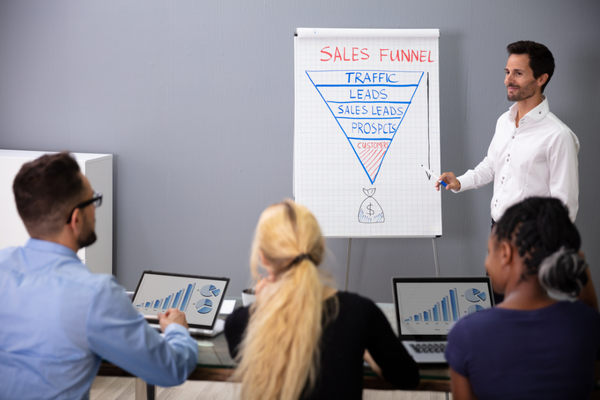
{"points": [[532, 153]]}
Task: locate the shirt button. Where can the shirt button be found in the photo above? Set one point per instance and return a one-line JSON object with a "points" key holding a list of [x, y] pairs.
{"points": [[513, 137]]}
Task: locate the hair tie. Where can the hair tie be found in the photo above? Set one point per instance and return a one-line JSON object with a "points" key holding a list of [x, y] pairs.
{"points": [[300, 258]]}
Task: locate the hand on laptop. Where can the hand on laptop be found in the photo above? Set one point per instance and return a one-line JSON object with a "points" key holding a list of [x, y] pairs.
{"points": [[172, 315]]}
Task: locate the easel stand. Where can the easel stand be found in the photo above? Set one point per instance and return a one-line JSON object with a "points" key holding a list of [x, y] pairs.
{"points": [[435, 260]]}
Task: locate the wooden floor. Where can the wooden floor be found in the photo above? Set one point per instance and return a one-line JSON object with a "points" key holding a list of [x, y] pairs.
{"points": [[116, 388]]}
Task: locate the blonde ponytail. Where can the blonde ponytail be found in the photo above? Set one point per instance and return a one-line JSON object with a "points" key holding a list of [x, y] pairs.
{"points": [[280, 352]]}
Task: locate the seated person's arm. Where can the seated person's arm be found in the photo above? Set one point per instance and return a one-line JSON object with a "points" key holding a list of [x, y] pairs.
{"points": [[461, 387], [117, 333], [369, 359], [235, 327], [390, 359]]}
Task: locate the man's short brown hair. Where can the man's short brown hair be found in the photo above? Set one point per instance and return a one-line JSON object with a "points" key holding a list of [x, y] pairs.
{"points": [[45, 191], [541, 60]]}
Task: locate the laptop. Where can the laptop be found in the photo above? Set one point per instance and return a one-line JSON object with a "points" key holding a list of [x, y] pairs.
{"points": [[199, 297], [426, 309]]}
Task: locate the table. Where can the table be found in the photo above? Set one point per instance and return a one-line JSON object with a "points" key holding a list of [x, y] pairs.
{"points": [[215, 364]]}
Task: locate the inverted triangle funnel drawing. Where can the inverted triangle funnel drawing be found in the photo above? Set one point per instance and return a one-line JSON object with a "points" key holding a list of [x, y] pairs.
{"points": [[369, 107]]}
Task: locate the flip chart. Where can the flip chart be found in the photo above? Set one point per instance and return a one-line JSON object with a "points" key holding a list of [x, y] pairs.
{"points": [[366, 120]]}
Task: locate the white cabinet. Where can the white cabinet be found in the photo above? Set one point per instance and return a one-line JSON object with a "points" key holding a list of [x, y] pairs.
{"points": [[97, 168]]}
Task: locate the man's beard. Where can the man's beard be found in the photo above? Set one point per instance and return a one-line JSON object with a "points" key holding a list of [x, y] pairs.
{"points": [[522, 94], [84, 241], [87, 237]]}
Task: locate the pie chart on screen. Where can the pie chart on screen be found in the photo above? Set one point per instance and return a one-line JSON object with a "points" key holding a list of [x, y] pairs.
{"points": [[475, 308], [475, 296], [204, 306], [210, 291]]}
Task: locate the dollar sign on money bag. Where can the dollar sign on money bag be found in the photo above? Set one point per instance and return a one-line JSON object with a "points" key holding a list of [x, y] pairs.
{"points": [[370, 212]]}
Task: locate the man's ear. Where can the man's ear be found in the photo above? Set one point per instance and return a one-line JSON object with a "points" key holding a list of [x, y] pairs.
{"points": [[506, 252], [76, 220], [542, 80]]}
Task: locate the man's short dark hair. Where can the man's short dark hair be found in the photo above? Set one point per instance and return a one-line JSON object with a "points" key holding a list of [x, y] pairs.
{"points": [[541, 60], [45, 191]]}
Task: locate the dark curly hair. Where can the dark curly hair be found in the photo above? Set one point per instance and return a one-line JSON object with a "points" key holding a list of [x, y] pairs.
{"points": [[548, 241]]}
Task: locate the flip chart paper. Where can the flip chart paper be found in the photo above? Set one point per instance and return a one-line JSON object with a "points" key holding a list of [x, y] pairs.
{"points": [[366, 119]]}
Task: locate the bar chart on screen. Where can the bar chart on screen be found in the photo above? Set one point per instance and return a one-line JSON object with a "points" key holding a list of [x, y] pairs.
{"points": [[433, 307], [447, 309], [179, 300]]}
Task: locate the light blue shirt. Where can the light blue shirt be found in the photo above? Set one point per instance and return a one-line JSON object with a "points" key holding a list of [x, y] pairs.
{"points": [[58, 320]]}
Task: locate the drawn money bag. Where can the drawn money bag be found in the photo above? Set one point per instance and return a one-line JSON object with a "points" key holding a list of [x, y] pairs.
{"points": [[370, 211]]}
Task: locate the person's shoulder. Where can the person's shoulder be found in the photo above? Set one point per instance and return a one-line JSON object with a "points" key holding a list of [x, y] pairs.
{"points": [[503, 120], [5, 254], [238, 316], [78, 273], [505, 116], [556, 127], [236, 323], [579, 308], [552, 119], [473, 322], [354, 300]]}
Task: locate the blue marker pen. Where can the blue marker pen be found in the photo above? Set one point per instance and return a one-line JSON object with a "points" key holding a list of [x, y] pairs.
{"points": [[430, 172]]}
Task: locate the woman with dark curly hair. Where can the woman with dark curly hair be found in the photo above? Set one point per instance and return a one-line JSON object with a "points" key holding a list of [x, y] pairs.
{"points": [[540, 342]]}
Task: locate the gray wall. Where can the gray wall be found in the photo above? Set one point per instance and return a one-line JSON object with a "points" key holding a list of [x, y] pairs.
{"points": [[196, 101]]}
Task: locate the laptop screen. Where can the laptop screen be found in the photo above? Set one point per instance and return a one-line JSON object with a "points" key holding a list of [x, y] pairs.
{"points": [[426, 308], [199, 297]]}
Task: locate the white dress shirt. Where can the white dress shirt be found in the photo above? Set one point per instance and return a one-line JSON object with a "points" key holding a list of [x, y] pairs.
{"points": [[539, 158]]}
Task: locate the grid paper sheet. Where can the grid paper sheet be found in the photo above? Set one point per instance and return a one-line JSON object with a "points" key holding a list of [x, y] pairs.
{"points": [[366, 120]]}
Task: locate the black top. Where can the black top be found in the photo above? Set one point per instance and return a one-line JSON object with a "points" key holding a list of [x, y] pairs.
{"points": [[359, 325]]}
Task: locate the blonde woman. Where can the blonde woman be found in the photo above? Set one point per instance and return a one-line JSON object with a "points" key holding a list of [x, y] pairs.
{"points": [[302, 339]]}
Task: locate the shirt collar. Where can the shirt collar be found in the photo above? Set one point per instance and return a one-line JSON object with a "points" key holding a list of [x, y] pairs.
{"points": [[51, 247], [535, 115]]}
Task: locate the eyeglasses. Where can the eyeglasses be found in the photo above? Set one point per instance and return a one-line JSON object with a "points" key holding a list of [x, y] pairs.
{"points": [[96, 200]]}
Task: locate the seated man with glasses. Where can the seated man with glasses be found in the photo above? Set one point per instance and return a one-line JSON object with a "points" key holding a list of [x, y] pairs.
{"points": [[58, 319]]}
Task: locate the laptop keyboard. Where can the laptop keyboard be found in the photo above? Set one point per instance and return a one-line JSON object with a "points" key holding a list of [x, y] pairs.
{"points": [[429, 347]]}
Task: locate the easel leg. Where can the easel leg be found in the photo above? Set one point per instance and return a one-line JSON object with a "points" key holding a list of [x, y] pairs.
{"points": [[348, 263], [435, 258]]}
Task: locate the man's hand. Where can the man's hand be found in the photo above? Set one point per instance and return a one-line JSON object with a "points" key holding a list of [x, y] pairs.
{"points": [[450, 179], [172, 315]]}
